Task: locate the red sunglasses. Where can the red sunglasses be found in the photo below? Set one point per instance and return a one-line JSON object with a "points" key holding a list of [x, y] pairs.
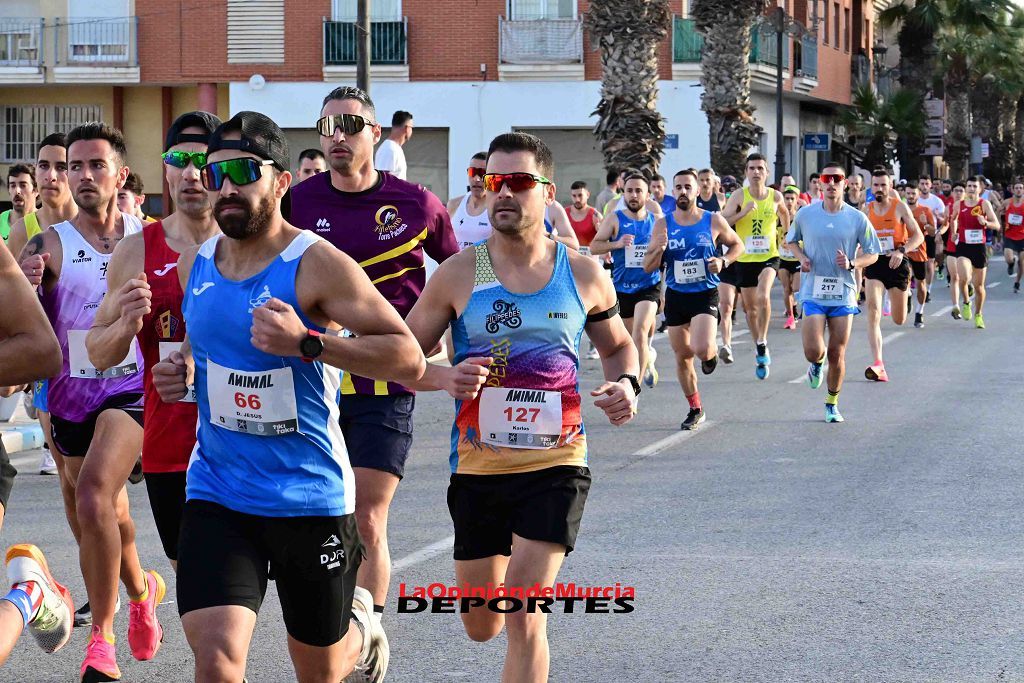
{"points": [[828, 178], [517, 182], [475, 172]]}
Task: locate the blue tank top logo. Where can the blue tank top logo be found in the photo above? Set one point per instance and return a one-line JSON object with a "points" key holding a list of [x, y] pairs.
{"points": [[263, 298], [506, 314]]}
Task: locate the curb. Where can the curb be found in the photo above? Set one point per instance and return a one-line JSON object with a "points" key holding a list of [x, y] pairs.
{"points": [[17, 438]]}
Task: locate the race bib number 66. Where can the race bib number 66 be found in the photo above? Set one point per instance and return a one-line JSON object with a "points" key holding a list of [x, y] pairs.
{"points": [[259, 403]]}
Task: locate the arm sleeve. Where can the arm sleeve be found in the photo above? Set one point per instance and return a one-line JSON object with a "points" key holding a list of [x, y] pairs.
{"points": [[440, 242], [385, 158]]}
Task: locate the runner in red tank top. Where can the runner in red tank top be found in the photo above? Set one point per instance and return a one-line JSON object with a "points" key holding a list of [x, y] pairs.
{"points": [[973, 216], [583, 218], [143, 272], [1013, 233]]}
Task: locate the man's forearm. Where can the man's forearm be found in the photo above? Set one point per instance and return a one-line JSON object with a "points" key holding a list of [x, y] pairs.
{"points": [[432, 379], [388, 357], [28, 357], [108, 345], [623, 361]]}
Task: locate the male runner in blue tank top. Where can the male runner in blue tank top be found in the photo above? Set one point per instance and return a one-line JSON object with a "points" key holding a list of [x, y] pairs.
{"points": [[518, 305], [270, 490], [686, 242], [625, 233], [824, 236]]}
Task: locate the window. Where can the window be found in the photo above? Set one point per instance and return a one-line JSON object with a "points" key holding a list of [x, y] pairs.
{"points": [[380, 10], [255, 31], [98, 31], [22, 127], [824, 21], [848, 31], [836, 27], [524, 10]]}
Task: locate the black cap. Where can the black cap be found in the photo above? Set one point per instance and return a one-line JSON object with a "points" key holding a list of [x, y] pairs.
{"points": [[193, 119], [260, 136]]}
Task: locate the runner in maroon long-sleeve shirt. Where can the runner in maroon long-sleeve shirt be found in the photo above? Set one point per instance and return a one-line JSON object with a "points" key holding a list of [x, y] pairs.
{"points": [[385, 224]]}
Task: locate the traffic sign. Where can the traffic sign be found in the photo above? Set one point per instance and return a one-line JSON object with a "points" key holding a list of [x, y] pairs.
{"points": [[672, 141], [817, 142]]}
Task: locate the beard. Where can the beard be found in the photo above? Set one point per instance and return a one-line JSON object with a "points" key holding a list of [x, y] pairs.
{"points": [[248, 223], [683, 203], [634, 205], [193, 206], [506, 225], [91, 201]]}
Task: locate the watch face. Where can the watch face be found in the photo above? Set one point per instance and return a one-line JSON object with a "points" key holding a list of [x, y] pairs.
{"points": [[311, 347]]}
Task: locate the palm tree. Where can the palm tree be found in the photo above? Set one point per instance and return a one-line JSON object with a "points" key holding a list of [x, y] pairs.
{"points": [[998, 84], [876, 123], [628, 32], [954, 26], [725, 79]]}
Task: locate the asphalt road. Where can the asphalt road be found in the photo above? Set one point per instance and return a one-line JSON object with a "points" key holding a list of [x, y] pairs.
{"points": [[767, 546]]}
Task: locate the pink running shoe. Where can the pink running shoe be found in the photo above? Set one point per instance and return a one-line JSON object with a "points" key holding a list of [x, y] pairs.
{"points": [[877, 373], [790, 323], [144, 631], [100, 664]]}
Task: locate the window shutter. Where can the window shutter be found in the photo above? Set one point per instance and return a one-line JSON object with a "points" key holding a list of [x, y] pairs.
{"points": [[255, 31]]}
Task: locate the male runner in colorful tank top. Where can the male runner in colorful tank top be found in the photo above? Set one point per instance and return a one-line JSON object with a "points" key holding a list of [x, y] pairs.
{"points": [[96, 415], [919, 258], [1013, 233], [145, 305], [625, 234], [469, 212], [686, 241], [270, 490], [757, 212], [825, 237], [386, 225], [898, 233], [973, 216], [518, 306]]}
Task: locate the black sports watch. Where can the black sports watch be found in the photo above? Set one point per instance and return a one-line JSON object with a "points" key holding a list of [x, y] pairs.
{"points": [[311, 346], [632, 380]]}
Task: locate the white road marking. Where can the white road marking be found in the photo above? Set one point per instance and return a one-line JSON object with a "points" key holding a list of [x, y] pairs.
{"points": [[993, 284], [942, 311], [671, 440]]}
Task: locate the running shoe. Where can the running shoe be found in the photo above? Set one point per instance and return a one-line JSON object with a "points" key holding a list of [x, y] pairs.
{"points": [[375, 652], [1016, 288], [877, 373], [693, 418], [651, 376], [886, 307], [970, 289], [1009, 268], [956, 314], [725, 353], [965, 311], [593, 354], [919, 320], [979, 322], [100, 663], [761, 371], [832, 413], [47, 465], [928, 297], [136, 476], [144, 631], [790, 323], [815, 371], [708, 366], [763, 360], [83, 617], [51, 625]]}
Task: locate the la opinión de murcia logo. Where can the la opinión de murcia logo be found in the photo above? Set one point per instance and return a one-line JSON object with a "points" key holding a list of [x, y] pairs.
{"points": [[568, 598]]}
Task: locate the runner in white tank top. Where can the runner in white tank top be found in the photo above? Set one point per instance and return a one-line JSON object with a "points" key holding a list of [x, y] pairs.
{"points": [[471, 228]]}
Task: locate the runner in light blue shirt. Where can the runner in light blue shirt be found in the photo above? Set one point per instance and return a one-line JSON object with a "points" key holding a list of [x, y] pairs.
{"points": [[830, 232]]}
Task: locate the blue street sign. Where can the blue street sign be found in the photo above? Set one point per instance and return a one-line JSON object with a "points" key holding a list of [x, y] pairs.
{"points": [[672, 141], [817, 142]]}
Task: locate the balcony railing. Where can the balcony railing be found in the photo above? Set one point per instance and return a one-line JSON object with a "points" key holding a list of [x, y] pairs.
{"points": [[687, 44], [388, 42], [807, 64], [540, 41], [21, 41], [97, 41]]}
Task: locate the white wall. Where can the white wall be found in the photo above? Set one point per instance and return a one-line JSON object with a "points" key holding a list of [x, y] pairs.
{"points": [[765, 117], [476, 112]]}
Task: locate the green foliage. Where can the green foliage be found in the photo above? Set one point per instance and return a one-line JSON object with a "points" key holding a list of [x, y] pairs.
{"points": [[877, 123]]}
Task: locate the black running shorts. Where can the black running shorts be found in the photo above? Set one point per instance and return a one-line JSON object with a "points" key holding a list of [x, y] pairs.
{"points": [[929, 245], [919, 269], [629, 300], [730, 276], [73, 439], [682, 307], [167, 498], [378, 430], [1013, 245], [226, 557], [544, 505], [977, 254], [789, 266], [750, 272], [891, 278]]}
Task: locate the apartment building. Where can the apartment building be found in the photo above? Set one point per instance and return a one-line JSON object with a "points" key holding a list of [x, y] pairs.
{"points": [[466, 69]]}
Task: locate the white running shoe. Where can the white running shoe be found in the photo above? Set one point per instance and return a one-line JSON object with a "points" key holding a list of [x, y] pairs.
{"points": [[47, 465], [593, 354], [372, 665], [51, 625]]}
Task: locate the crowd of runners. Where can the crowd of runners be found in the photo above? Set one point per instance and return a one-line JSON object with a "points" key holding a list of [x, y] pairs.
{"points": [[261, 346]]}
